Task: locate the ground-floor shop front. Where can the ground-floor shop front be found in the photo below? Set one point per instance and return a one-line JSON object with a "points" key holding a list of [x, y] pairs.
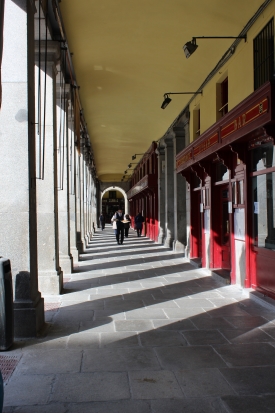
{"points": [[143, 197], [230, 170]]}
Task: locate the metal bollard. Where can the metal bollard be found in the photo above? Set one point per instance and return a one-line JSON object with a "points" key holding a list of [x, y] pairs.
{"points": [[6, 305]]}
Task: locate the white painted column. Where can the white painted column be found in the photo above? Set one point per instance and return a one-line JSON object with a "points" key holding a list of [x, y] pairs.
{"points": [[169, 191], [179, 195], [161, 192], [18, 218]]}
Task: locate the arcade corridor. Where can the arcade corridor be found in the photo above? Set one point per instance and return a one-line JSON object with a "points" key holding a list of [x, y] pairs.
{"points": [[138, 329]]}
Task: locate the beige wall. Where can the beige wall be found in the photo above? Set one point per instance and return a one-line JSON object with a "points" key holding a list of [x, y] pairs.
{"points": [[239, 70]]}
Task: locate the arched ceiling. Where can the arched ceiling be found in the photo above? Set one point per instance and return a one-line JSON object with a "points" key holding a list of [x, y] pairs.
{"points": [[127, 54]]}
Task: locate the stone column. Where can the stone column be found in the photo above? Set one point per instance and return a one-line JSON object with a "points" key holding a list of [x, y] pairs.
{"points": [[18, 218], [169, 191], [161, 192], [81, 192], [62, 154], [50, 276], [180, 194], [79, 243], [72, 186]]}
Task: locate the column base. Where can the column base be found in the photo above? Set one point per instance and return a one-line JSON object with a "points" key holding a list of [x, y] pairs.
{"points": [[168, 242], [160, 237], [74, 256], [65, 264], [29, 317], [178, 247], [50, 283]]}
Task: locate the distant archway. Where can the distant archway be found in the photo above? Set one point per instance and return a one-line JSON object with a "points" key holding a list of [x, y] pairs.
{"points": [[119, 189]]}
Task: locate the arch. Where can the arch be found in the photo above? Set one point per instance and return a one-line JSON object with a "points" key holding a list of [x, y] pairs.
{"points": [[116, 188]]}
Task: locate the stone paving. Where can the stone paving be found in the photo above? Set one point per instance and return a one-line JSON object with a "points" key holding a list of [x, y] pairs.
{"points": [[140, 330]]}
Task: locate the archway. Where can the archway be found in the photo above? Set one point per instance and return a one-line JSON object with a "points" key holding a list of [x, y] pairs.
{"points": [[111, 207]]}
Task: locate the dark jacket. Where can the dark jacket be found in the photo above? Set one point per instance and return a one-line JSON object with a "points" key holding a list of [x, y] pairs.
{"points": [[138, 221]]}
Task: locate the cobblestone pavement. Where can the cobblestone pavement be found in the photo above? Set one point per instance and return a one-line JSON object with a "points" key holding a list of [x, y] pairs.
{"points": [[139, 330]]}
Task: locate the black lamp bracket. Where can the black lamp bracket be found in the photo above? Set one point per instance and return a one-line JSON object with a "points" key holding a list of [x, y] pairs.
{"points": [[182, 93], [218, 37]]}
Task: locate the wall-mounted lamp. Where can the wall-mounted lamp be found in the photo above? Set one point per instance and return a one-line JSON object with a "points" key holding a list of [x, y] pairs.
{"points": [[190, 47], [167, 100], [125, 171], [130, 164], [135, 155]]}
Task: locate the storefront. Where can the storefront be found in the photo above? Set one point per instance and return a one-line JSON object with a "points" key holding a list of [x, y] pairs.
{"points": [[143, 195], [230, 169]]}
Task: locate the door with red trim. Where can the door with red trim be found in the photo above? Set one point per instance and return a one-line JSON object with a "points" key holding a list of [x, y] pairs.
{"points": [[196, 225]]}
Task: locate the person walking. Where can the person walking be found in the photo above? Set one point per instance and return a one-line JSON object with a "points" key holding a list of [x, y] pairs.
{"points": [[127, 224], [139, 219], [118, 226], [102, 221]]}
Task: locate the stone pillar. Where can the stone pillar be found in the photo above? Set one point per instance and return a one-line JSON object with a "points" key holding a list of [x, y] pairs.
{"points": [[18, 218], [161, 193], [62, 154], [169, 191], [72, 186], [50, 277], [79, 243], [180, 194], [81, 192]]}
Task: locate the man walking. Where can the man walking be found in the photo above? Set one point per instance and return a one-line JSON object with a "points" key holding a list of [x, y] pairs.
{"points": [[139, 219], [118, 226]]}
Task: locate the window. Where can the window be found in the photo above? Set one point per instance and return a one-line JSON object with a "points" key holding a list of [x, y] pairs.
{"points": [[263, 184], [222, 173], [263, 210], [196, 123], [222, 98], [112, 194], [264, 55]]}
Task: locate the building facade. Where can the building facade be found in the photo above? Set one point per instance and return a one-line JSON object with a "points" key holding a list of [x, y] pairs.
{"points": [[229, 163]]}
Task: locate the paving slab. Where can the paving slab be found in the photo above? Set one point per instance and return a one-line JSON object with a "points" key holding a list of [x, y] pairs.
{"points": [[251, 380], [84, 387], [154, 385], [162, 338], [194, 357], [255, 335], [17, 390], [204, 337], [133, 325], [50, 362], [198, 405], [83, 340], [263, 404], [203, 382], [119, 339], [123, 406], [46, 408], [253, 354], [117, 359]]}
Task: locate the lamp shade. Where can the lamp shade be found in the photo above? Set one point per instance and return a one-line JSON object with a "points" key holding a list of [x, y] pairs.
{"points": [[189, 48], [166, 102]]}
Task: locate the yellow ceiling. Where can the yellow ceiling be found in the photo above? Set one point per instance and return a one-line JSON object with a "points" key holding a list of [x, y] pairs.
{"points": [[127, 54]]}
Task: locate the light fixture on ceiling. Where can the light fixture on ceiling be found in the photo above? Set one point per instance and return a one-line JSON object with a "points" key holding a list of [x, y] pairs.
{"points": [[190, 47], [167, 100]]}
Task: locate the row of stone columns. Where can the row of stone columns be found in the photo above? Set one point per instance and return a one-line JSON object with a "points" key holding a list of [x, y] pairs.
{"points": [[47, 191], [172, 191]]}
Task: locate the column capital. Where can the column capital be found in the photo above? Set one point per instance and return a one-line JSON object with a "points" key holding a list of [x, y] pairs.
{"points": [[169, 141], [160, 151]]}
